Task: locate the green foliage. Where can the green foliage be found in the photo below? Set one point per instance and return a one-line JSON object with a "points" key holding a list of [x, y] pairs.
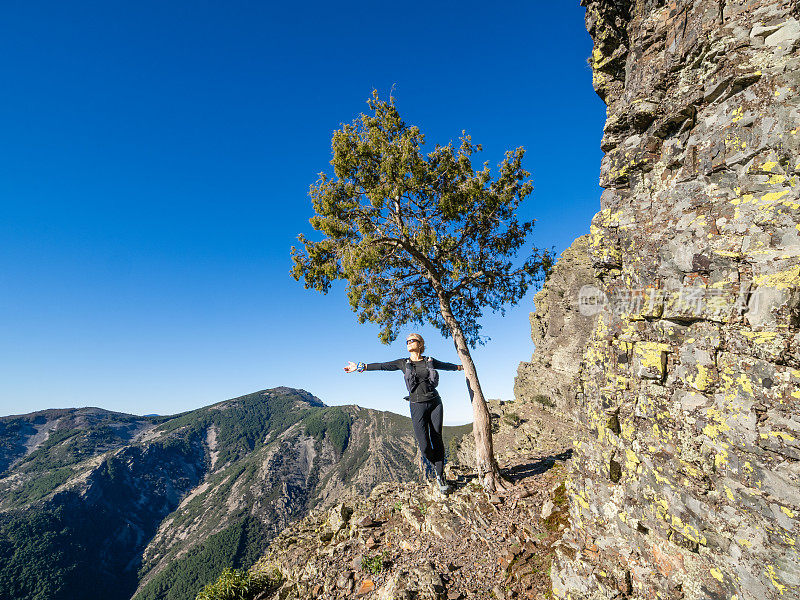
{"points": [[10, 428], [12, 440], [69, 446], [27, 545], [452, 438], [55, 451], [456, 431], [544, 400], [560, 495], [451, 449], [48, 555], [243, 423], [373, 563], [240, 585], [512, 419], [333, 422], [559, 518], [418, 237], [40, 486], [356, 457], [54, 547], [237, 546], [51, 464]]}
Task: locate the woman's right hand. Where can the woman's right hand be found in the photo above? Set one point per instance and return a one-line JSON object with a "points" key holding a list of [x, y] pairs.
{"points": [[351, 366]]}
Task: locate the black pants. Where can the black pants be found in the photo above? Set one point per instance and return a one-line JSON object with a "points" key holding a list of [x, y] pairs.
{"points": [[427, 420]]}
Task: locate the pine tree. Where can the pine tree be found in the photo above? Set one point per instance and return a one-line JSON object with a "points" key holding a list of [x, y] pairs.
{"points": [[421, 238]]}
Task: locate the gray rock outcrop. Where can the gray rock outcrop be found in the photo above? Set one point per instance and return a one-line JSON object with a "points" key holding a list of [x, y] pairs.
{"points": [[559, 331], [685, 475]]}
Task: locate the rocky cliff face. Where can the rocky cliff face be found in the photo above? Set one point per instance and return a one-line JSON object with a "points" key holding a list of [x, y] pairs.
{"points": [[559, 331], [408, 541], [685, 482]]}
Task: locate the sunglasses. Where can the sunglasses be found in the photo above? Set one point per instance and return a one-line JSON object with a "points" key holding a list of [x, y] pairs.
{"points": [[412, 340]]}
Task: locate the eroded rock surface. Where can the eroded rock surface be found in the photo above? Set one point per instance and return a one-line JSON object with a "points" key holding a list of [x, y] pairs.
{"points": [[685, 474], [408, 541], [559, 331]]}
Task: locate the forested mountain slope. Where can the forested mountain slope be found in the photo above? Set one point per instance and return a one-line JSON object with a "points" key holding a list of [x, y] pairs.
{"points": [[96, 504]]}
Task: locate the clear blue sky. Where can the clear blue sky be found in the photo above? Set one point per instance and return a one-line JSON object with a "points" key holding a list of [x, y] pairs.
{"points": [[156, 159]]}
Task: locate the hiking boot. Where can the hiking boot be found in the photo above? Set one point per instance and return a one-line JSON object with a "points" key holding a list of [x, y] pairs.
{"points": [[444, 487]]}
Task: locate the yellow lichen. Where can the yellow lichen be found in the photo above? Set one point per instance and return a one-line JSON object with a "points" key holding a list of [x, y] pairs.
{"points": [[745, 385], [660, 478], [702, 381], [782, 280], [783, 435], [775, 179], [759, 337], [580, 496], [772, 197], [631, 461], [690, 532], [789, 204], [770, 571], [719, 425], [662, 508], [721, 459], [691, 469], [652, 354]]}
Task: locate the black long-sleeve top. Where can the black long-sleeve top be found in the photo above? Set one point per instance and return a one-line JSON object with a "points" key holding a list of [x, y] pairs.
{"points": [[423, 391]]}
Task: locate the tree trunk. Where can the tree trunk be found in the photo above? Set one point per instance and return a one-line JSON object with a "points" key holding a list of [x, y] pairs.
{"points": [[488, 471]]}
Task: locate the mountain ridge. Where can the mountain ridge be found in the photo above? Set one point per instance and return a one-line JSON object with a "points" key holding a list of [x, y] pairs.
{"points": [[150, 504]]}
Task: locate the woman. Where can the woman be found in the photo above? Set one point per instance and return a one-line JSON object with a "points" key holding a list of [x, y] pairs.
{"points": [[421, 377]]}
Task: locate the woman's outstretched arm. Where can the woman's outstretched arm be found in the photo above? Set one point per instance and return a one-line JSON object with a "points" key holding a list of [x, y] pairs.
{"points": [[393, 365], [446, 366]]}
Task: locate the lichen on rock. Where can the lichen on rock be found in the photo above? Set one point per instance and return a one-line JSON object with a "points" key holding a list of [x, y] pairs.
{"points": [[684, 480], [559, 331]]}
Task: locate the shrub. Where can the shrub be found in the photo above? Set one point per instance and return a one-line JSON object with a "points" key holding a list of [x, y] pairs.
{"points": [[235, 584], [374, 564], [334, 421], [559, 518], [544, 400]]}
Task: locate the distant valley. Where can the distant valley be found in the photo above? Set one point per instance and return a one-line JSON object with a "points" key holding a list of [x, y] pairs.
{"points": [[96, 504]]}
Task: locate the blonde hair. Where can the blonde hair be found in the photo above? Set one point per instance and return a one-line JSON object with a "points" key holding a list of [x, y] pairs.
{"points": [[417, 336]]}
